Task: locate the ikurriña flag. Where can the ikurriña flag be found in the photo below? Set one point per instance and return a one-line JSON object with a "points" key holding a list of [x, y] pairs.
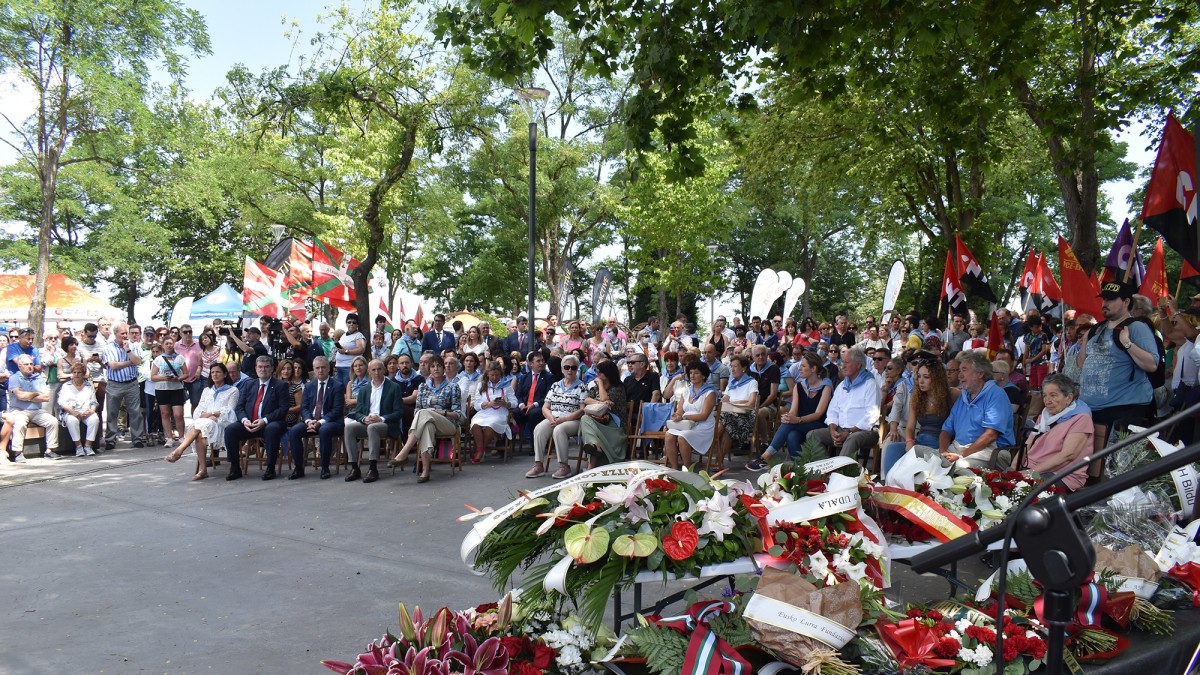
{"points": [[331, 281], [1079, 289], [974, 281], [1170, 206], [262, 290]]}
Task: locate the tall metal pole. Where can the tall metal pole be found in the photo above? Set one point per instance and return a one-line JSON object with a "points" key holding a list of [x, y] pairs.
{"points": [[532, 222]]}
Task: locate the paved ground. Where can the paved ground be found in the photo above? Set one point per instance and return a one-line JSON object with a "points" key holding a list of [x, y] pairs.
{"points": [[121, 564]]}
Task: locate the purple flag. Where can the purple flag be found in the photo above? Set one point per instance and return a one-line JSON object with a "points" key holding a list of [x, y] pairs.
{"points": [[1119, 256]]}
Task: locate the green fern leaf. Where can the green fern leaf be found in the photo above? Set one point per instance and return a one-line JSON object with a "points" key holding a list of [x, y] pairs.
{"points": [[663, 648]]}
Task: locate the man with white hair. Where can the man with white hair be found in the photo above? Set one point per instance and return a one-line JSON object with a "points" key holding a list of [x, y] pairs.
{"points": [[27, 391], [121, 370], [853, 411]]}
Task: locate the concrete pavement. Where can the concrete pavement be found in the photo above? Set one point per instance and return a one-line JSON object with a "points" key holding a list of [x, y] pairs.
{"points": [[121, 564]]}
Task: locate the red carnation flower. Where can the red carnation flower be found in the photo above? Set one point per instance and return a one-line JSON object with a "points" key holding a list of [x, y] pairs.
{"points": [[947, 648], [661, 484]]}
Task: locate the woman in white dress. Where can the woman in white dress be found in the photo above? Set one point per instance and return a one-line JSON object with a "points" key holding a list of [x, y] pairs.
{"points": [[491, 402], [692, 424], [214, 412], [77, 405]]}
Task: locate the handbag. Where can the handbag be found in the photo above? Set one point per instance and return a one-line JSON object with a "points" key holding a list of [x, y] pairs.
{"points": [[681, 425]]}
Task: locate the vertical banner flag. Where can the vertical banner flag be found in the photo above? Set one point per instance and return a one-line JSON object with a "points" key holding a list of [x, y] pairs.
{"points": [[388, 325], [1154, 286], [1079, 289], [262, 291], [600, 290], [300, 276], [764, 285], [951, 291], [794, 291], [1189, 274], [331, 282], [1170, 205], [891, 292], [1122, 255], [974, 281], [565, 276]]}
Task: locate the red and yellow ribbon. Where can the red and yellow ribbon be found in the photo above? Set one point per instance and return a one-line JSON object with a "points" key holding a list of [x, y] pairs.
{"points": [[922, 512]]}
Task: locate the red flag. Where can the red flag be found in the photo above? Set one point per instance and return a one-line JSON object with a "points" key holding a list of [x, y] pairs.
{"points": [[1170, 205], [971, 274], [331, 282], [1154, 286], [995, 337], [951, 291], [1047, 285], [1030, 270], [262, 291], [383, 311], [1079, 289]]}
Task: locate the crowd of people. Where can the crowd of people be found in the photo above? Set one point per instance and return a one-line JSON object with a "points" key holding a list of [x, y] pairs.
{"points": [[875, 391]]}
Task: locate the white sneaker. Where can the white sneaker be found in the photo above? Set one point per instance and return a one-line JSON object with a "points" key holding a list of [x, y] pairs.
{"points": [[50, 454], [79, 452], [171, 442], [90, 451]]}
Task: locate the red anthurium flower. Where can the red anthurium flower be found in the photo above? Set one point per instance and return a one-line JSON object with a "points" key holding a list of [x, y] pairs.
{"points": [[754, 506], [682, 541]]}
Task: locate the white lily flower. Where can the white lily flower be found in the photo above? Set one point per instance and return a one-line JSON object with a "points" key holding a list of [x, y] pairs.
{"points": [[571, 495], [717, 516]]}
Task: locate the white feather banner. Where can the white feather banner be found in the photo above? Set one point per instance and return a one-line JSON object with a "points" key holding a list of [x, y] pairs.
{"points": [[793, 295]]}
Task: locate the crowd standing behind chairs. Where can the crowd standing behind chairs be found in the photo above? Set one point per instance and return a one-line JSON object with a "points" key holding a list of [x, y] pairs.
{"points": [[654, 390]]}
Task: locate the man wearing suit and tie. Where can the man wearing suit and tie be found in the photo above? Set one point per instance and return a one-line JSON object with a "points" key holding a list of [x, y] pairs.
{"points": [[321, 412], [261, 411], [520, 341], [437, 339], [377, 415], [531, 390]]}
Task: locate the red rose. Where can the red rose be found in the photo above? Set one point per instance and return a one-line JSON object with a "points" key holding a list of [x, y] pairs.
{"points": [[485, 607], [523, 668], [516, 646], [543, 656]]}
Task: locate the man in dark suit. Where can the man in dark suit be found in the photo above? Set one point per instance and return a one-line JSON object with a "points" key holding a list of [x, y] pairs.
{"points": [[377, 415], [437, 339], [260, 411], [493, 343], [520, 341], [531, 390], [321, 412]]}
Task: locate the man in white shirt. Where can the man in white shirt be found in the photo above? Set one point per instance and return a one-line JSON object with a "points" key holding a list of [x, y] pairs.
{"points": [[854, 409], [377, 416]]}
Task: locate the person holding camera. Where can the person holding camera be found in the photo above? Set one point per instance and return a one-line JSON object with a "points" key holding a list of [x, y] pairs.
{"points": [[300, 346], [351, 344], [252, 346]]}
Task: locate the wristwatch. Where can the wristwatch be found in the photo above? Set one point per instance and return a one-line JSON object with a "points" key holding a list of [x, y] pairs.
{"points": [[1127, 345]]}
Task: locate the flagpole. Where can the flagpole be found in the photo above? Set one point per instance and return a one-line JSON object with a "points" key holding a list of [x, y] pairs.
{"points": [[1137, 231]]}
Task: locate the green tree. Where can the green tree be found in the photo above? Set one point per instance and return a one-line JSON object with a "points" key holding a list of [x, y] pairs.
{"points": [[87, 65]]}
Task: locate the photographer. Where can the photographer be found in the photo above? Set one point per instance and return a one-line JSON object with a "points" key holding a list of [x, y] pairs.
{"points": [[252, 346], [299, 346]]}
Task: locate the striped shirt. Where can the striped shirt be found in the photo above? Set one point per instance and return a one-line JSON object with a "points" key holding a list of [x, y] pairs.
{"points": [[115, 354]]}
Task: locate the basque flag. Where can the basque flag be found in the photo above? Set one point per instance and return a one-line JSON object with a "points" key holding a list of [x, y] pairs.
{"points": [[1170, 205]]}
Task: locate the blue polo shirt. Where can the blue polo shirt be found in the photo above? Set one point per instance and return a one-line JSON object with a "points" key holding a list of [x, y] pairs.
{"points": [[971, 416], [1109, 377], [15, 351], [18, 382]]}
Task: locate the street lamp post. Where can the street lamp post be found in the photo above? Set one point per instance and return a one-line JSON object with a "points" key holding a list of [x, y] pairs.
{"points": [[277, 230], [533, 101], [712, 299]]}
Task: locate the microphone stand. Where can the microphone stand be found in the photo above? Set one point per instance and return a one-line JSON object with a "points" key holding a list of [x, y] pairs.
{"points": [[1058, 554]]}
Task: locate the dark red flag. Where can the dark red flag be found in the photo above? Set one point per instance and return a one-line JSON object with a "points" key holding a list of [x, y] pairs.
{"points": [[1170, 205]]}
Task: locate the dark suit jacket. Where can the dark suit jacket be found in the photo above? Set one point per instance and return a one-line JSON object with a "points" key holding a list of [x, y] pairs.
{"points": [[511, 344], [545, 379], [391, 405], [276, 400], [332, 408], [494, 345], [439, 342]]}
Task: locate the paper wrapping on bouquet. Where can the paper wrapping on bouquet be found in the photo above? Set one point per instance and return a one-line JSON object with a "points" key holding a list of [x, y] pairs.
{"points": [[913, 644], [610, 473], [922, 512], [1184, 477], [706, 653], [1119, 646], [793, 618], [1131, 562]]}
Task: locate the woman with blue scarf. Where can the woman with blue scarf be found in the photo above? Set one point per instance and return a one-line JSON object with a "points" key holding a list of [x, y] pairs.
{"points": [[1063, 431], [691, 426], [212, 414]]}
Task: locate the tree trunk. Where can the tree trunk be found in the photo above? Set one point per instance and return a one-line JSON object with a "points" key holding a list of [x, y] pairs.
{"points": [[360, 274], [49, 187]]}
